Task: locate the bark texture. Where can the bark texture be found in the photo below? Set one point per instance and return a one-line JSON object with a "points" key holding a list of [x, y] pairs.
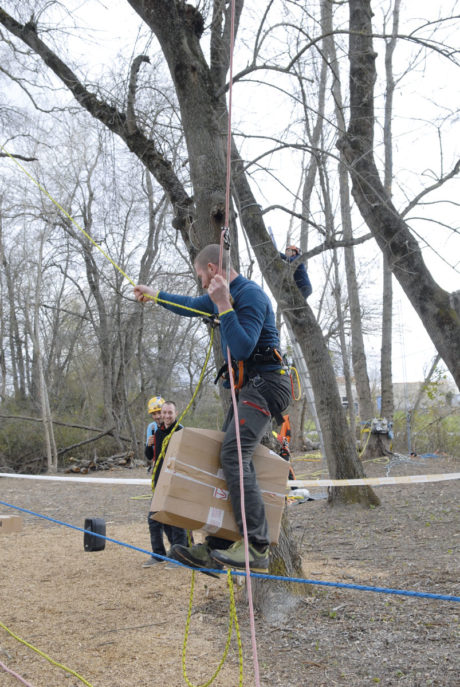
{"points": [[403, 254]]}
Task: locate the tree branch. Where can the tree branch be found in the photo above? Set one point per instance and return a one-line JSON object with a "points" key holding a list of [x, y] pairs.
{"points": [[63, 424], [142, 146], [130, 114], [454, 171], [20, 157]]}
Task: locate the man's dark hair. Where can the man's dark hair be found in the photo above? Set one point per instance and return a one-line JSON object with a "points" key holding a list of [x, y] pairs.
{"points": [[171, 403], [211, 253]]}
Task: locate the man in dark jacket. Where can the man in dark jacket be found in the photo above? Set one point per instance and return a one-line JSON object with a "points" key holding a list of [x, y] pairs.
{"points": [[248, 329], [301, 277], [176, 535]]}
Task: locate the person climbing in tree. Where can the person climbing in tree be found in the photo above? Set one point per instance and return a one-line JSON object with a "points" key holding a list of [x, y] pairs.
{"points": [[301, 277], [247, 327]]}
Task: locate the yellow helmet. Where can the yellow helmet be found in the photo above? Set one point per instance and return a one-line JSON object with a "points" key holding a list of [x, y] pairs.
{"points": [[155, 403]]}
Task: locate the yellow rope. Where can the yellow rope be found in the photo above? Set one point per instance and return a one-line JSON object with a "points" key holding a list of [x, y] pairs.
{"points": [[233, 620], [48, 658], [299, 387], [364, 431], [168, 437], [85, 233]]}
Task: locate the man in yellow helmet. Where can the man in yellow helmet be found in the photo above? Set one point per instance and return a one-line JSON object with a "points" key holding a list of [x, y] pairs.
{"points": [[176, 535], [154, 407]]}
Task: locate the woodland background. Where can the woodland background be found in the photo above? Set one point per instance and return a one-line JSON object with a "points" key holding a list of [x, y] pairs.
{"points": [[78, 357]]}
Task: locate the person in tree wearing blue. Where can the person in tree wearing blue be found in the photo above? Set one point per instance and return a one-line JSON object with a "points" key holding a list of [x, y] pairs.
{"points": [[247, 327], [301, 277], [175, 535]]}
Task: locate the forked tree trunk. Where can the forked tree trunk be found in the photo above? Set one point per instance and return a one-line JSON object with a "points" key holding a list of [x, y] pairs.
{"points": [[432, 303]]}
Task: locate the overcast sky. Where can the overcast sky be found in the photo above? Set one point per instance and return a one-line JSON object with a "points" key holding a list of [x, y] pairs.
{"points": [[108, 28]]}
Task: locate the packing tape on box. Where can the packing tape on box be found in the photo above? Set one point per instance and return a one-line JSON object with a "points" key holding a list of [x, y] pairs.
{"points": [[219, 492], [371, 481]]}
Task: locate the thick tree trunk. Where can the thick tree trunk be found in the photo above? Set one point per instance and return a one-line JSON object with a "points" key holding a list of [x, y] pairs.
{"points": [[277, 601], [430, 301], [178, 27], [339, 444]]}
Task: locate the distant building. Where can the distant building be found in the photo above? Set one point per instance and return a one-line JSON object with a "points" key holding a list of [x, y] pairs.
{"points": [[405, 394]]}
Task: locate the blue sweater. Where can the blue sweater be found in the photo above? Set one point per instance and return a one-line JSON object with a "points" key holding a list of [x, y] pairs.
{"points": [[250, 324], [301, 277]]}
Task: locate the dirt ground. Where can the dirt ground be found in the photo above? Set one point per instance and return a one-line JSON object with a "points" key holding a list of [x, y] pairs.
{"points": [[117, 624]]}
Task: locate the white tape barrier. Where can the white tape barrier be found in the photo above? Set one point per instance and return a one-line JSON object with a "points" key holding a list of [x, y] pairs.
{"points": [[371, 481], [86, 480]]}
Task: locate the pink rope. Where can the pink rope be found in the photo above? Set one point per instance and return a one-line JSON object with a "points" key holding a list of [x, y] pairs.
{"points": [[245, 528], [18, 677], [229, 359]]}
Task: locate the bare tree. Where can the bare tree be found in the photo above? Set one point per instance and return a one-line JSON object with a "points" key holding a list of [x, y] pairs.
{"points": [[50, 443], [361, 375], [200, 91], [392, 233]]}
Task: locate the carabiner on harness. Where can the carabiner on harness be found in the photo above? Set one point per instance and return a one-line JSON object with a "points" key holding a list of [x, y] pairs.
{"points": [[212, 320]]}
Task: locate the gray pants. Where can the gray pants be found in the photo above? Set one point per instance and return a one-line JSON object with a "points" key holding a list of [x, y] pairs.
{"points": [[259, 399]]}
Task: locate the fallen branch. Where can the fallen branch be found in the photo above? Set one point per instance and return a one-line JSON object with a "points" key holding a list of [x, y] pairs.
{"points": [[65, 424], [117, 460]]}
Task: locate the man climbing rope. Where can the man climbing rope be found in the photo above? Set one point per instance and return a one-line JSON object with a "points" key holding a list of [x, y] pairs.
{"points": [[247, 327]]}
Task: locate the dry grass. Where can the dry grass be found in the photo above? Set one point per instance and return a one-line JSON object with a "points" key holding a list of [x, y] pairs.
{"points": [[118, 624]]}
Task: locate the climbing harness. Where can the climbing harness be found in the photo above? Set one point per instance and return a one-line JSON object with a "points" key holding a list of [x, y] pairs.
{"points": [[243, 370]]}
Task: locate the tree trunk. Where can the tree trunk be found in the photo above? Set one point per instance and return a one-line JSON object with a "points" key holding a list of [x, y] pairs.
{"points": [[50, 444], [386, 375], [430, 301], [358, 354], [341, 455], [277, 601]]}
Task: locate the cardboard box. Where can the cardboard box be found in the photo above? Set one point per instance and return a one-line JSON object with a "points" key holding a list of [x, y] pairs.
{"points": [[192, 493], [10, 523]]}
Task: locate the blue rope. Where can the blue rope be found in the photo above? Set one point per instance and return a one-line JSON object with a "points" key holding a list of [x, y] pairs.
{"points": [[299, 580]]}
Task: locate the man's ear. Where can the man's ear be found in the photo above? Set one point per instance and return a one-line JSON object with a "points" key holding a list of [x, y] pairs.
{"points": [[213, 268]]}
